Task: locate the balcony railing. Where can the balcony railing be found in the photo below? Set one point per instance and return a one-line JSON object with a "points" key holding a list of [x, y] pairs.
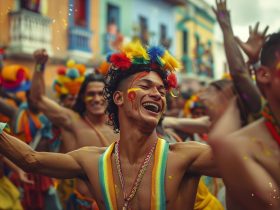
{"points": [[28, 32], [79, 39]]}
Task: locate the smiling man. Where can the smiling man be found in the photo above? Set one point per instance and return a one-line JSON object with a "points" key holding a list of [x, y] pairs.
{"points": [[85, 125], [140, 171]]}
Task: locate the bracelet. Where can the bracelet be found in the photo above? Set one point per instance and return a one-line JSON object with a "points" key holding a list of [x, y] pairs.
{"points": [[39, 67], [2, 127]]}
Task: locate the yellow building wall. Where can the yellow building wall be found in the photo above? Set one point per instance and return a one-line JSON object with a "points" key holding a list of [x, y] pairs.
{"points": [[57, 10], [5, 8], [59, 14], [204, 34], [198, 25], [95, 26]]}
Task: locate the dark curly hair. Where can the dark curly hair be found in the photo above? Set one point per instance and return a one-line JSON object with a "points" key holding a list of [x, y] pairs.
{"points": [[80, 106], [112, 81], [270, 47]]}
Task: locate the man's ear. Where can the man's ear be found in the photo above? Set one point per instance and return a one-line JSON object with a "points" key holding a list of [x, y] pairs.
{"points": [[263, 75], [118, 98]]}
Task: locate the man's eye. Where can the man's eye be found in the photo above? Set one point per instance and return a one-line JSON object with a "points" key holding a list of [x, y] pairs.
{"points": [[144, 87], [162, 93]]}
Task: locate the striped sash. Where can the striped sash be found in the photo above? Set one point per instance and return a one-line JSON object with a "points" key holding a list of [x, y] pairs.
{"points": [[158, 200]]}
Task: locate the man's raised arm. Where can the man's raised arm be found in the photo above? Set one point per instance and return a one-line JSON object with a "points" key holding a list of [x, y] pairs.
{"points": [[59, 115], [50, 164], [237, 66]]}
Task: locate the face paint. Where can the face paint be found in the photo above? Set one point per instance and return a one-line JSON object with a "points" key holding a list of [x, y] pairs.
{"points": [[131, 93], [139, 76], [88, 98]]}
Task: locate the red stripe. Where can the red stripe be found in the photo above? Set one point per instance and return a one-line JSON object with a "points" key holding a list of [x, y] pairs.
{"points": [[273, 131]]}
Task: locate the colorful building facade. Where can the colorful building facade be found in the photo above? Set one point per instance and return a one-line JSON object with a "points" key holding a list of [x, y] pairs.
{"points": [[151, 21], [195, 38], [67, 29]]}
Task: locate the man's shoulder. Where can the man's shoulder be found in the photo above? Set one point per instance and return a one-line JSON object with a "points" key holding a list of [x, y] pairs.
{"points": [[247, 138], [250, 131], [186, 144], [87, 153], [92, 150], [188, 149]]}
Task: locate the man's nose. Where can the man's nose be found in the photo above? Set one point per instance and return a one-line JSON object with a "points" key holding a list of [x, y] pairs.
{"points": [[155, 93]]}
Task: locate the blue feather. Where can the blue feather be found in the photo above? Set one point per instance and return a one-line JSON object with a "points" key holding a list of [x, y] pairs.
{"points": [[155, 52], [108, 56]]}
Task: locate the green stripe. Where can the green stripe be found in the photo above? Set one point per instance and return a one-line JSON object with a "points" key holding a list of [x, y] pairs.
{"points": [[162, 176], [102, 179], [2, 126]]}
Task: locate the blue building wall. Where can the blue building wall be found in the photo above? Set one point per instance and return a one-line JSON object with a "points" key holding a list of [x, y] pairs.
{"points": [[124, 21], [156, 12]]}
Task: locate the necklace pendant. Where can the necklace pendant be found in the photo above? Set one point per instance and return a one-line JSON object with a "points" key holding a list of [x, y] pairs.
{"points": [[125, 206]]}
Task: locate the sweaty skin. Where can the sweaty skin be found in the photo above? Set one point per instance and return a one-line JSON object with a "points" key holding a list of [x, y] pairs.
{"points": [[186, 162]]}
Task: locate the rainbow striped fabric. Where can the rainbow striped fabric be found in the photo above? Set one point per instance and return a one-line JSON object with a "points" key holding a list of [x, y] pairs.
{"points": [[158, 200]]}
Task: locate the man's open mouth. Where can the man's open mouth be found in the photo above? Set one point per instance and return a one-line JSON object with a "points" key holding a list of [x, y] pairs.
{"points": [[152, 107]]}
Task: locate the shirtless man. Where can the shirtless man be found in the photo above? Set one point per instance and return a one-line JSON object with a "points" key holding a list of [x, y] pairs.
{"points": [[167, 176], [85, 125], [249, 158]]}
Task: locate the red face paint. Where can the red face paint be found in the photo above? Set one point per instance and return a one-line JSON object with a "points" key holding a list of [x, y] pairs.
{"points": [[131, 95]]}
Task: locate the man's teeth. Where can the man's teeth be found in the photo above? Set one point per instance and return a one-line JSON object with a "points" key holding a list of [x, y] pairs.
{"points": [[151, 107]]}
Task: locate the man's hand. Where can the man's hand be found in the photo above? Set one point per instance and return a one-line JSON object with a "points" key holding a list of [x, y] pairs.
{"points": [[222, 14], [253, 45], [24, 177], [40, 56]]}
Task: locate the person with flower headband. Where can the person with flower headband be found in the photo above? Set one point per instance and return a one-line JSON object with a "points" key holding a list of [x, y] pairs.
{"points": [[140, 170], [249, 158]]}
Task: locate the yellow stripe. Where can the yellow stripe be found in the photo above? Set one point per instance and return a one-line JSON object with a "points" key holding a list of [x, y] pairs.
{"points": [[155, 192], [110, 180], [133, 89]]}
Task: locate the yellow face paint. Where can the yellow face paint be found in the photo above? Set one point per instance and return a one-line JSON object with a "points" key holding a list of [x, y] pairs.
{"points": [[88, 98], [131, 93], [133, 89]]}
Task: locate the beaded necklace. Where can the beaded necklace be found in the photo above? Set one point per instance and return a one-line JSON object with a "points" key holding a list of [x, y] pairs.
{"points": [[139, 177], [271, 123]]}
